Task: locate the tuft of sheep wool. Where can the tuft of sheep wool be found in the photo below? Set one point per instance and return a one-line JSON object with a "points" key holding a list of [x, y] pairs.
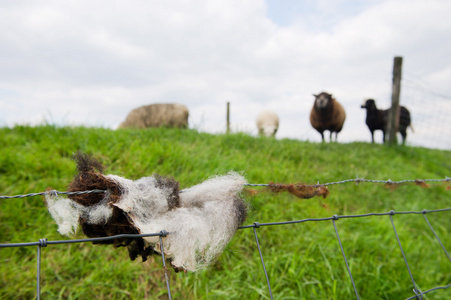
{"points": [[200, 220], [207, 219], [302, 191], [65, 212]]}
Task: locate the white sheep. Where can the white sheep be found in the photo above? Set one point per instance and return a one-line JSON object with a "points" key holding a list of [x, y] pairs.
{"points": [[157, 115], [267, 123]]}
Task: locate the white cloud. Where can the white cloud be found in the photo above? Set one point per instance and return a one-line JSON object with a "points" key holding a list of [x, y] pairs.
{"points": [[73, 59]]}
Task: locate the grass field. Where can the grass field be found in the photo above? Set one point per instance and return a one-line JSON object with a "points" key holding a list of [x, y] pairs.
{"points": [[303, 260]]}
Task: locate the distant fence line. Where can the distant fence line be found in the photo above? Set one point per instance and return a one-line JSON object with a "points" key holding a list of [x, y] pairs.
{"points": [[430, 108], [418, 294]]}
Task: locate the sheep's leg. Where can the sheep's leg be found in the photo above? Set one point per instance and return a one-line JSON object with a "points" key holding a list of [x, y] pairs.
{"points": [[322, 136], [330, 138], [372, 137], [403, 132]]}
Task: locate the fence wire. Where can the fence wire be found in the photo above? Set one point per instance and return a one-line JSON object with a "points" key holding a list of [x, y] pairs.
{"points": [[355, 180], [360, 180], [418, 294]]}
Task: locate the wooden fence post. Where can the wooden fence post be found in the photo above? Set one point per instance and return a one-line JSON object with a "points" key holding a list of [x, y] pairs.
{"points": [[228, 117], [393, 114]]}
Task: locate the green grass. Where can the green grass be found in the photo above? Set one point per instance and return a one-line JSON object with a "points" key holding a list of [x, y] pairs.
{"points": [[304, 260]]}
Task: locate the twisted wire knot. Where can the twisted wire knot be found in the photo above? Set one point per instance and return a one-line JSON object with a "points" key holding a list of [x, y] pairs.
{"points": [[43, 242]]}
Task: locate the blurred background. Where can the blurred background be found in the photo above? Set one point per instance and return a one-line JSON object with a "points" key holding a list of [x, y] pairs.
{"points": [[89, 63]]}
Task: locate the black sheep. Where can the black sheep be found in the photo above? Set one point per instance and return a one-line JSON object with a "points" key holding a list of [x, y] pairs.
{"points": [[377, 119]]}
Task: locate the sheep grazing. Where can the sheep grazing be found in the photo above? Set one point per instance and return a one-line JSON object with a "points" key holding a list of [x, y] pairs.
{"points": [[157, 115], [267, 123], [327, 114], [377, 119]]}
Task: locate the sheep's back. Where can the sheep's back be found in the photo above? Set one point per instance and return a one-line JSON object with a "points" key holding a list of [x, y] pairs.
{"points": [[404, 117], [156, 115], [267, 117], [376, 119]]}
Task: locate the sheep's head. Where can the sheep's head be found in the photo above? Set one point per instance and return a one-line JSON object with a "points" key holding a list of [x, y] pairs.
{"points": [[369, 104], [267, 123], [268, 130], [322, 101]]}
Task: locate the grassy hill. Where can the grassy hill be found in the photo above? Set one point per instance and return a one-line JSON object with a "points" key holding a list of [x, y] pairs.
{"points": [[303, 260]]}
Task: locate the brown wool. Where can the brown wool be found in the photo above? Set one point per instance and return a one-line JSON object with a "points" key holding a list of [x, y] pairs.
{"points": [[302, 191], [90, 178], [421, 183], [169, 183]]}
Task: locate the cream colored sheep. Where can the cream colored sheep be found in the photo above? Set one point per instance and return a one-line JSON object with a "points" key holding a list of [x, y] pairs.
{"points": [[157, 115], [267, 123]]}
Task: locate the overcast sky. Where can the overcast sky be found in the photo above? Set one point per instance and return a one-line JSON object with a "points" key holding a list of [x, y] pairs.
{"points": [[91, 62]]}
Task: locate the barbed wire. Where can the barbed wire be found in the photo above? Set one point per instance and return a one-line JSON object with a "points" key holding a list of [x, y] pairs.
{"points": [[53, 192], [355, 180], [359, 180]]}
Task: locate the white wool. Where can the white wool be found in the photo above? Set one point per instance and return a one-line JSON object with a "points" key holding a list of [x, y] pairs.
{"points": [[198, 230], [215, 188], [141, 199], [65, 212], [99, 213], [202, 227], [196, 235]]}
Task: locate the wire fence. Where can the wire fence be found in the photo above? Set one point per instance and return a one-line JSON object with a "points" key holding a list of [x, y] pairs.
{"points": [[417, 293], [429, 108]]}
